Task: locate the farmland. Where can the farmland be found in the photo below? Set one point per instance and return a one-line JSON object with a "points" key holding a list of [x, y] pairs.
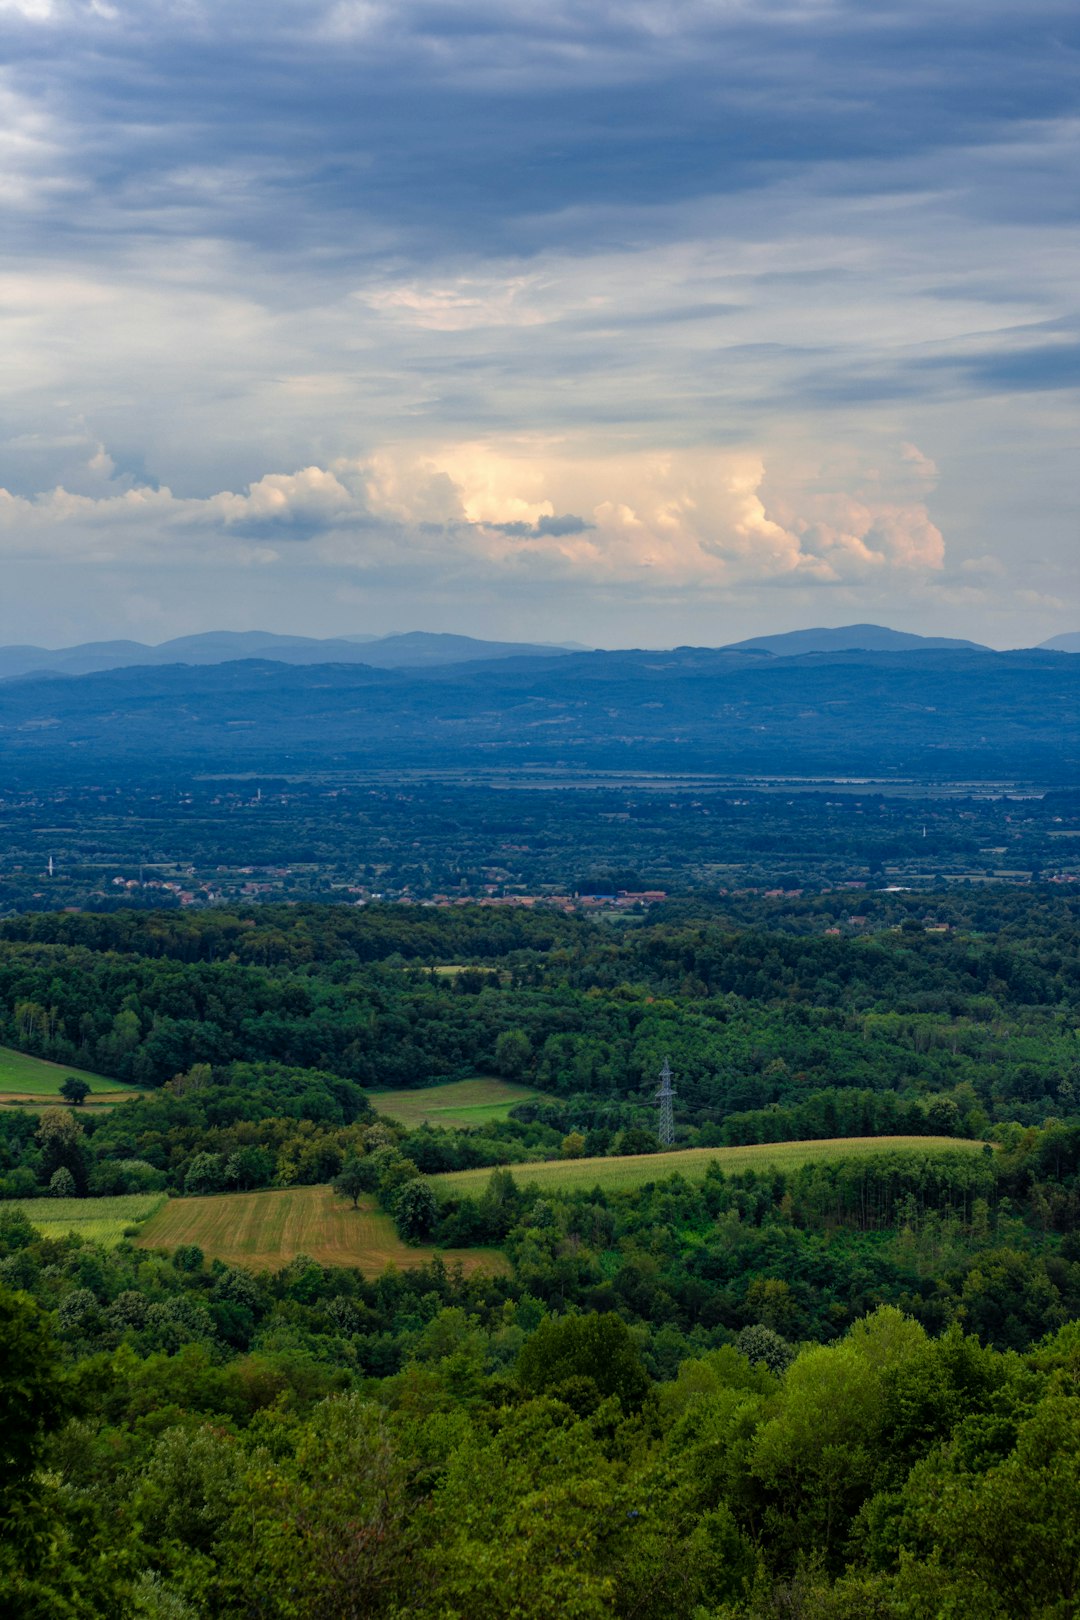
{"points": [[33, 1082], [622, 1174], [268, 1229], [102, 1220], [479, 1101]]}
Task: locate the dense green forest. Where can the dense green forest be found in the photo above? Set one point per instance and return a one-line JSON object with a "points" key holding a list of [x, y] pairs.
{"points": [[845, 1389], [253, 1029], [829, 1395]]}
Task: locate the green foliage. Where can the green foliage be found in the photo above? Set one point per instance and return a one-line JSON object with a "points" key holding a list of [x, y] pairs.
{"points": [[513, 1054], [54, 1561], [843, 1387], [416, 1211], [763, 1347], [584, 1359], [355, 1178]]}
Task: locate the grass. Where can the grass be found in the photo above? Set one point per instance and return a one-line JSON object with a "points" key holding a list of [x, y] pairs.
{"points": [[622, 1174], [33, 1081], [268, 1229], [480, 1101], [105, 1220]]}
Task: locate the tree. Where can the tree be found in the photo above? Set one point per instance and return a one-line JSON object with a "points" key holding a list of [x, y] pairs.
{"points": [[573, 1145], [324, 1531], [62, 1183], [635, 1139], [762, 1345], [205, 1174], [62, 1143], [356, 1177], [416, 1211], [513, 1053], [53, 1560], [32, 1397], [59, 1132], [569, 1351], [943, 1116], [75, 1090]]}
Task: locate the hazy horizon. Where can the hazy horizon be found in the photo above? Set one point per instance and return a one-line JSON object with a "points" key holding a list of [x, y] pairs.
{"points": [[489, 635]]}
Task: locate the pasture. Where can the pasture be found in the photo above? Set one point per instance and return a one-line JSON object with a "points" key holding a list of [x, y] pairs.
{"points": [[35, 1083], [480, 1101], [265, 1230], [104, 1220], [621, 1174]]}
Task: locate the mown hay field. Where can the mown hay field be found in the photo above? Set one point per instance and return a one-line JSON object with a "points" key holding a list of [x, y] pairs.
{"points": [[265, 1230], [35, 1082], [479, 1101], [105, 1220], [636, 1170]]}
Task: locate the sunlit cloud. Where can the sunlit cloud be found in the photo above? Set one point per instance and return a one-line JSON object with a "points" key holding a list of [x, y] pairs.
{"points": [[677, 302], [520, 510]]}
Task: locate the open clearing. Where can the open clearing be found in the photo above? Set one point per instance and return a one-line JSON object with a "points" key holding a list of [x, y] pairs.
{"points": [[480, 1101], [103, 1219], [268, 1229], [36, 1083], [621, 1174]]}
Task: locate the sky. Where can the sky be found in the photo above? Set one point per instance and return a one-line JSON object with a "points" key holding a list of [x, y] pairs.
{"points": [[629, 322]]}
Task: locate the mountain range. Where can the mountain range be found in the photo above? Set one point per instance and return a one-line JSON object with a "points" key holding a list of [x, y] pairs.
{"points": [[422, 649], [415, 649], [850, 638], [925, 714]]}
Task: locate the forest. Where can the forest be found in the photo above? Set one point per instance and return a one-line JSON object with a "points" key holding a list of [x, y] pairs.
{"points": [[843, 1387]]}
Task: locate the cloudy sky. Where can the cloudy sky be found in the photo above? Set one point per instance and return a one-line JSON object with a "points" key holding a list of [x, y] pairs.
{"points": [[627, 321]]}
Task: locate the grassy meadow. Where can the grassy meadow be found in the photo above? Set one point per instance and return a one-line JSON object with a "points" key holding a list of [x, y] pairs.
{"points": [[105, 1220], [268, 1229], [479, 1101], [33, 1082], [635, 1170]]}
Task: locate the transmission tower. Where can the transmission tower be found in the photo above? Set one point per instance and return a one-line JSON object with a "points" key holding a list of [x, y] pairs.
{"points": [[666, 1130]]}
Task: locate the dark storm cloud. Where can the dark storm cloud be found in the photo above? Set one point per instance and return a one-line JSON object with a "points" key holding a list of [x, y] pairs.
{"points": [[418, 128]]}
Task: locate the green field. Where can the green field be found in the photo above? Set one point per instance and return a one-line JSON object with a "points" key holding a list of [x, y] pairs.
{"points": [[103, 1219], [268, 1229], [31, 1080], [635, 1170], [479, 1101]]}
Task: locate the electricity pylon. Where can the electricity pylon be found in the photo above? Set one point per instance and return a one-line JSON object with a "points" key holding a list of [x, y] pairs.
{"points": [[666, 1129]]}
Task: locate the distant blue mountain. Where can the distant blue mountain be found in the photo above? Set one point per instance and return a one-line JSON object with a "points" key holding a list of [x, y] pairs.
{"points": [[1069, 642], [914, 715], [416, 649], [850, 638]]}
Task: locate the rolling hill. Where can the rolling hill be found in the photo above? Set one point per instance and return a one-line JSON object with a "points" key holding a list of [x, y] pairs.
{"points": [[850, 638], [413, 649], [926, 715]]}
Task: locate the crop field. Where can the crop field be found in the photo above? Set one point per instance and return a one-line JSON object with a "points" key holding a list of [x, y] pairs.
{"points": [[268, 1229], [480, 1101], [34, 1082], [620, 1174], [102, 1219]]}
